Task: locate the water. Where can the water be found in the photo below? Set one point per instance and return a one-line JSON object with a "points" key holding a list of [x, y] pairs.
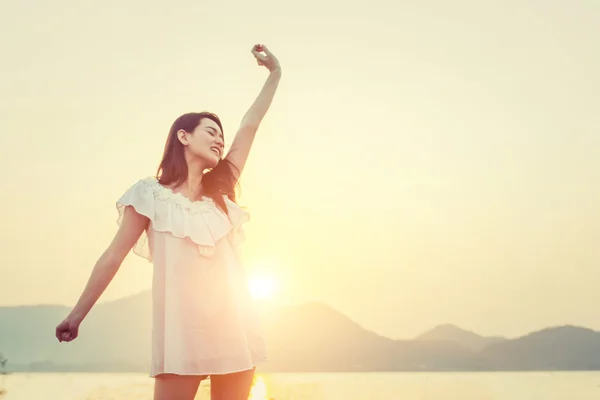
{"points": [[350, 386]]}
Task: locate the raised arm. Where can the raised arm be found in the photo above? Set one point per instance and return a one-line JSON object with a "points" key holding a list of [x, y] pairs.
{"points": [[242, 142], [106, 267]]}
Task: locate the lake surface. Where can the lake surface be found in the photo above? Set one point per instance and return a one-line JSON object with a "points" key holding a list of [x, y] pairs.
{"points": [[350, 386]]}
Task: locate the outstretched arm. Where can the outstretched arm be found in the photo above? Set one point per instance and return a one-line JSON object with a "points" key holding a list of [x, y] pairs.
{"points": [[106, 267], [240, 147]]}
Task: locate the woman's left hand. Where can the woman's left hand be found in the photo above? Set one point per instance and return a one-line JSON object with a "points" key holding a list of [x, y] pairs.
{"points": [[265, 58]]}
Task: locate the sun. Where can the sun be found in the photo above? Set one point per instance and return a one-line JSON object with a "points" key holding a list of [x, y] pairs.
{"points": [[262, 287]]}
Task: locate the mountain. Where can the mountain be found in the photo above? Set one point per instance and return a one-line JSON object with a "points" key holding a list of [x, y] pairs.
{"points": [[452, 333], [559, 348], [311, 337], [315, 337], [113, 332]]}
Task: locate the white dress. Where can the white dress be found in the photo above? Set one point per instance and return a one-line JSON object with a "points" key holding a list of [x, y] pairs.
{"points": [[204, 320]]}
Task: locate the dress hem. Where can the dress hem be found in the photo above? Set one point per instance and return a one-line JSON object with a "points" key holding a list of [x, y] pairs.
{"points": [[154, 374]]}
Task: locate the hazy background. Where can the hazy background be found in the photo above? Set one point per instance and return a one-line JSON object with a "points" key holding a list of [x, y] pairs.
{"points": [[421, 164]]}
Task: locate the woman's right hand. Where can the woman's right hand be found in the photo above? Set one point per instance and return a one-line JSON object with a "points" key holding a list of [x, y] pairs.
{"points": [[67, 330], [106, 267]]}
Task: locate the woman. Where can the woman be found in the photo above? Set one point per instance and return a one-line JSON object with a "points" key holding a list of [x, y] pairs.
{"points": [[186, 222]]}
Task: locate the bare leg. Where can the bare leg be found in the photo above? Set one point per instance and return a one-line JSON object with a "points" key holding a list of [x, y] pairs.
{"points": [[176, 387], [234, 386]]}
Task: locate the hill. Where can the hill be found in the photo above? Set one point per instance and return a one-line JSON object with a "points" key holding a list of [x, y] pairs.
{"points": [[452, 333], [310, 337]]}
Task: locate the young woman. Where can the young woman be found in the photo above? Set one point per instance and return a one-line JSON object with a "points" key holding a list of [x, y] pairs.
{"points": [[186, 222]]}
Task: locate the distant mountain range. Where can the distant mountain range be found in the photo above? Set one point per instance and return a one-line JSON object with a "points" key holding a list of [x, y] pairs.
{"points": [[306, 338], [454, 334]]}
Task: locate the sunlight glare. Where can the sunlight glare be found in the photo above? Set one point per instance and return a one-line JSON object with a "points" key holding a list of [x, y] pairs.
{"points": [[259, 390], [262, 287]]}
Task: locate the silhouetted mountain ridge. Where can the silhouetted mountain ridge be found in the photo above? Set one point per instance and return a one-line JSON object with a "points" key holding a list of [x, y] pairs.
{"points": [[452, 333], [309, 337], [565, 347]]}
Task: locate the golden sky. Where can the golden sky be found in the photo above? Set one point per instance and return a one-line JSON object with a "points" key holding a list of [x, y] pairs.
{"points": [[423, 162]]}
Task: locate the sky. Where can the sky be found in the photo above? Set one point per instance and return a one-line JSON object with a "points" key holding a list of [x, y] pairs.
{"points": [[423, 162]]}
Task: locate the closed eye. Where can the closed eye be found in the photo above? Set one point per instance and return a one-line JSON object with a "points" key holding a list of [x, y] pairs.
{"points": [[213, 132]]}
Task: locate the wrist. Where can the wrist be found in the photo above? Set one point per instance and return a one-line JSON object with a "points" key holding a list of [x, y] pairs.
{"points": [[76, 317]]}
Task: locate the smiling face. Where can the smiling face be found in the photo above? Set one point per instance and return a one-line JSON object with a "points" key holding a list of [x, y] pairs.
{"points": [[205, 142]]}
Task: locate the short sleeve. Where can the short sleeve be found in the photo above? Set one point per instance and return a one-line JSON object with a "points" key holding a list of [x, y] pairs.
{"points": [[139, 196]]}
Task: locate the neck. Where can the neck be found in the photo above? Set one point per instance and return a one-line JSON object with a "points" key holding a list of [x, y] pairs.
{"points": [[193, 183]]}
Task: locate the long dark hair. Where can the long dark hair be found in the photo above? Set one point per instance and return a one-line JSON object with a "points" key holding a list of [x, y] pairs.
{"points": [[173, 170]]}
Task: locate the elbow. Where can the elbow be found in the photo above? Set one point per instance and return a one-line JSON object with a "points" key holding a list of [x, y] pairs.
{"points": [[250, 123], [110, 261]]}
